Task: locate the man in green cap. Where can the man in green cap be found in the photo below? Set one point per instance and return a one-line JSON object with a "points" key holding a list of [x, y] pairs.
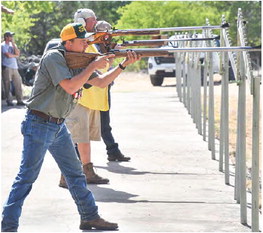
{"points": [[53, 96]]}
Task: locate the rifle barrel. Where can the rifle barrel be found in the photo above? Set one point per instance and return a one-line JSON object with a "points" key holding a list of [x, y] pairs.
{"points": [[165, 40], [156, 31], [195, 49], [143, 43], [142, 53]]}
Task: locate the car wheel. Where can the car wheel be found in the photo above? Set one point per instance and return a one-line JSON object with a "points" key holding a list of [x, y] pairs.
{"points": [[156, 80]]}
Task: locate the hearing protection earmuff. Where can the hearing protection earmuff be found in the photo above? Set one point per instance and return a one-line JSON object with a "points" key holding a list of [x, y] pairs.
{"points": [[82, 21]]}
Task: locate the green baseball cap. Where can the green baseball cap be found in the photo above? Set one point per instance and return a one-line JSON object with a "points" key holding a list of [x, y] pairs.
{"points": [[74, 30]]}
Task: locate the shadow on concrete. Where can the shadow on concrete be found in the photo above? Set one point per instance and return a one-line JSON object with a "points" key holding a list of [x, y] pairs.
{"points": [[5, 108], [116, 167], [171, 85], [104, 194]]}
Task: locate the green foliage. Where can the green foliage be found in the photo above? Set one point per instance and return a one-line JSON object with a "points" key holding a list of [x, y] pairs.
{"points": [[251, 11], [36, 22], [145, 14], [21, 21], [165, 14], [41, 21], [137, 66]]}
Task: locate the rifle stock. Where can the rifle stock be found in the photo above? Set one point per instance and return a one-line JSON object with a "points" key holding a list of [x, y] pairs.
{"points": [[82, 60]]}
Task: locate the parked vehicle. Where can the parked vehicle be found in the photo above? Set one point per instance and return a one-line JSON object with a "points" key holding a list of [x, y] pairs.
{"points": [[52, 43], [27, 69], [165, 67], [159, 68]]}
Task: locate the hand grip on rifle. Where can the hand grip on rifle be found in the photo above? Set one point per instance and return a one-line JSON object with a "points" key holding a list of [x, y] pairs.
{"points": [[102, 61]]}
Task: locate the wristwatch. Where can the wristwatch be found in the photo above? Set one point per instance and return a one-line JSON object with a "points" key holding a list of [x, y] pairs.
{"points": [[122, 67]]}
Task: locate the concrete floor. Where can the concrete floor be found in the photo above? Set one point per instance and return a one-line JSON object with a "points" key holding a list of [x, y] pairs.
{"points": [[170, 185]]}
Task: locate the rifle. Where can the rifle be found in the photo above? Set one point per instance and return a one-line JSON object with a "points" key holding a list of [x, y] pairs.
{"points": [[160, 42], [105, 37], [82, 60]]}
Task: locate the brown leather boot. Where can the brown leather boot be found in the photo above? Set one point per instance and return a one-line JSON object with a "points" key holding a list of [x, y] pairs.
{"points": [[99, 224], [62, 182], [92, 177]]}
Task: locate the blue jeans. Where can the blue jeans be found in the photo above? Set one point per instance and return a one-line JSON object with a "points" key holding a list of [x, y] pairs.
{"points": [[111, 146], [40, 136]]}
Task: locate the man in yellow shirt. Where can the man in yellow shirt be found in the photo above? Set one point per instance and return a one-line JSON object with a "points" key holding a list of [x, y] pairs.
{"points": [[84, 121], [112, 147]]}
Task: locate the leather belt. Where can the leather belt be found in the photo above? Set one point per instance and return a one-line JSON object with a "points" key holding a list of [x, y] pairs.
{"points": [[47, 117]]}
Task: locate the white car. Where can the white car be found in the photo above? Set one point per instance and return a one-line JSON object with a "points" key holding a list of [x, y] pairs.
{"points": [[161, 67]]}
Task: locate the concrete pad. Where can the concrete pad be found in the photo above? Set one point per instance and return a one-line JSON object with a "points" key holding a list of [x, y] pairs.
{"points": [[170, 185]]}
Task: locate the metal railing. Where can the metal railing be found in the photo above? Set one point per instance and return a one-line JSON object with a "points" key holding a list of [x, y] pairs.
{"points": [[191, 74]]}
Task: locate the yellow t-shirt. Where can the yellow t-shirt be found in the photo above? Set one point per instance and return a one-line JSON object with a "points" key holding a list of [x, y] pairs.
{"points": [[95, 98]]}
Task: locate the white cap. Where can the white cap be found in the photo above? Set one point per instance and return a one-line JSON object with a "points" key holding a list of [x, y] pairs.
{"points": [[102, 26], [84, 14]]}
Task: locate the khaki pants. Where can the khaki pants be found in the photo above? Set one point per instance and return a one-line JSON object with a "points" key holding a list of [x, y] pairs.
{"points": [[9, 74], [84, 124]]}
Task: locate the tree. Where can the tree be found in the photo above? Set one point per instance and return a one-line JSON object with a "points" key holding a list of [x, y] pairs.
{"points": [[140, 14], [22, 20], [251, 11], [40, 21]]}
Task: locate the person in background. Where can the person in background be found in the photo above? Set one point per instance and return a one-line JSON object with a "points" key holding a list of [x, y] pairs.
{"points": [[10, 53], [54, 94], [84, 121], [112, 147]]}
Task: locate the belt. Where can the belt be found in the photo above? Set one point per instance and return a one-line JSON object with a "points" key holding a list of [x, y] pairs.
{"points": [[47, 117]]}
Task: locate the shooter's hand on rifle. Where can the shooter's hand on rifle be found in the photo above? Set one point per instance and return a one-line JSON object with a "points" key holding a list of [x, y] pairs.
{"points": [[131, 58], [103, 61]]}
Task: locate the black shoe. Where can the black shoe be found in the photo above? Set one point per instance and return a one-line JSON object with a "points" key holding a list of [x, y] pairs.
{"points": [[20, 103], [9, 103], [99, 224], [119, 157]]}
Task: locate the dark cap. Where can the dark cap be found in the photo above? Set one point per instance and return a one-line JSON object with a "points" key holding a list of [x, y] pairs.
{"points": [[9, 34]]}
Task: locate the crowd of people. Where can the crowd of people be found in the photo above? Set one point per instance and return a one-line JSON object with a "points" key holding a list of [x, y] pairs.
{"points": [[62, 117]]}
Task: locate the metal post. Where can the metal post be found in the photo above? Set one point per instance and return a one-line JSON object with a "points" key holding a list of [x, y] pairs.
{"points": [[255, 155], [184, 78], [176, 55], [222, 130], [242, 142], [188, 84], [194, 86], [226, 118], [205, 97], [198, 95], [179, 77], [211, 119]]}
